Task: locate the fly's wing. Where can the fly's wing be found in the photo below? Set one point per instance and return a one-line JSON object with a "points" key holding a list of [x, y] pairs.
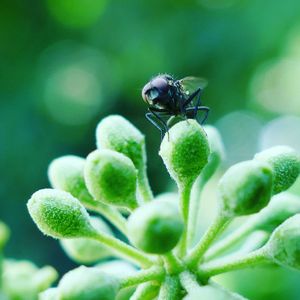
{"points": [[190, 84]]}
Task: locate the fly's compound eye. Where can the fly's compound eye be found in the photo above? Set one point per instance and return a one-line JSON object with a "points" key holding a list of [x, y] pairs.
{"points": [[150, 93], [161, 84], [154, 90]]}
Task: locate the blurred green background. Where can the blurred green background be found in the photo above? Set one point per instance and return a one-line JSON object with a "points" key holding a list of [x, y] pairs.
{"points": [[67, 64]]}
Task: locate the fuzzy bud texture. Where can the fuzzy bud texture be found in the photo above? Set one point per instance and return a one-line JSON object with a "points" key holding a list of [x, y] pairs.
{"points": [[66, 173], [245, 188], [88, 284], [156, 227], [284, 244], [58, 214], [116, 133], [185, 151], [111, 178], [285, 163]]}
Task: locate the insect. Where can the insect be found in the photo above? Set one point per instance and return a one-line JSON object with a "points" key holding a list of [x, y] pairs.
{"points": [[170, 99]]}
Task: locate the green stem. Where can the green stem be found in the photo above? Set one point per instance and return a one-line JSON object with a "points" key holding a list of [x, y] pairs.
{"points": [[122, 249], [185, 193], [111, 214], [172, 263], [232, 239], [144, 187], [189, 281], [153, 273], [194, 209], [170, 289], [209, 236], [145, 291], [226, 265]]}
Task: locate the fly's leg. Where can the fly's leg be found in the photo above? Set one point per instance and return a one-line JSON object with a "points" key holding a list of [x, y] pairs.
{"points": [[192, 110], [197, 93], [155, 118]]}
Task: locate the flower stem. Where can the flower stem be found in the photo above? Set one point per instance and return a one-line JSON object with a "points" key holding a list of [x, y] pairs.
{"points": [[188, 281], [209, 236], [144, 187], [194, 209], [153, 273], [169, 289], [145, 291], [172, 263], [226, 265], [231, 239], [111, 214], [122, 249], [185, 193]]}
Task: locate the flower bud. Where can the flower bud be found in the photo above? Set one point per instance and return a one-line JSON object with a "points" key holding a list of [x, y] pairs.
{"points": [[168, 196], [155, 227], [280, 208], [49, 294], [86, 251], [24, 278], [111, 178], [245, 188], [285, 163], [185, 151], [120, 269], [4, 235], [86, 284], [116, 133], [44, 278], [284, 244], [217, 152], [59, 215], [66, 173]]}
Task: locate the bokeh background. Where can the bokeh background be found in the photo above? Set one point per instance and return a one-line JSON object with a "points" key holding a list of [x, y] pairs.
{"points": [[64, 65]]}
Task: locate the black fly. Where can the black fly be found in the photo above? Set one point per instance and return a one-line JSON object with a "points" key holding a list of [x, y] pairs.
{"points": [[169, 98]]}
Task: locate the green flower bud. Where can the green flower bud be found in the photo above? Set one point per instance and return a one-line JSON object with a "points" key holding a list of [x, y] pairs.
{"points": [[4, 235], [280, 208], [185, 151], [88, 284], [49, 294], [245, 188], [24, 278], [111, 178], [116, 133], [168, 196], [44, 278], [66, 173], [284, 244], [86, 251], [120, 269], [59, 215], [217, 152], [285, 163], [156, 227]]}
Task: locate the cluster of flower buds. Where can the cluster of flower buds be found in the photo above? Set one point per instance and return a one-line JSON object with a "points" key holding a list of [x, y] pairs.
{"points": [[157, 254], [21, 279]]}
